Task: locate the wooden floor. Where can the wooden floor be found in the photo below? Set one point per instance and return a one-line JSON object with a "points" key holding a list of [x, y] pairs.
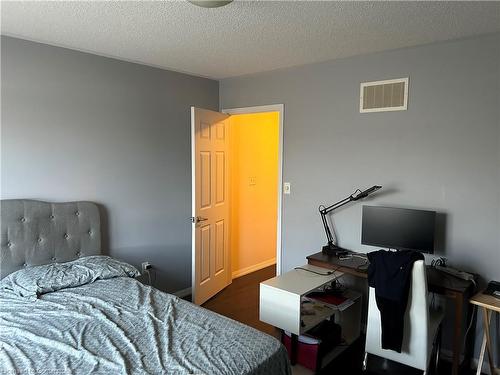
{"points": [[240, 300]]}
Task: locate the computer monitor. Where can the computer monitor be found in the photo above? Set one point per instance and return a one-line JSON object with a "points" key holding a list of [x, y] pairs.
{"points": [[398, 228]]}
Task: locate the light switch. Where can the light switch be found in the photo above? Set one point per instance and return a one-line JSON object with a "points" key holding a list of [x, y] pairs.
{"points": [[252, 181], [286, 188]]}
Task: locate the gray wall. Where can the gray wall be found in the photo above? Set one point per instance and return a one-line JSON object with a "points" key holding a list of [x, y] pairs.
{"points": [[76, 126], [442, 154]]}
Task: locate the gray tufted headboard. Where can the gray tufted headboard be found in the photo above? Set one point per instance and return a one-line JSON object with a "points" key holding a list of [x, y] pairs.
{"points": [[35, 233]]}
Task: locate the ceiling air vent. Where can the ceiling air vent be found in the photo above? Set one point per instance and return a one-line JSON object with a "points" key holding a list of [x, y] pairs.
{"points": [[382, 96]]}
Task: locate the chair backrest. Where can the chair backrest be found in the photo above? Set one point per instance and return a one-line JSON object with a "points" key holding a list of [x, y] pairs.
{"points": [[415, 350]]}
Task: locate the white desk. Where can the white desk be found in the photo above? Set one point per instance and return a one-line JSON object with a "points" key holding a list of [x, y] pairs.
{"points": [[281, 306], [280, 299]]}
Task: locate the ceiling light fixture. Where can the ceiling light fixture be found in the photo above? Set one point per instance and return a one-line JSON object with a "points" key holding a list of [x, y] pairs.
{"points": [[210, 4]]}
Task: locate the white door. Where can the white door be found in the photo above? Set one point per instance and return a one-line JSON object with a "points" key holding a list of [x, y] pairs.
{"points": [[211, 270]]}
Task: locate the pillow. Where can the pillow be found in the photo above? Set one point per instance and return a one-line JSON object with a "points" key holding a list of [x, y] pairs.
{"points": [[34, 281]]}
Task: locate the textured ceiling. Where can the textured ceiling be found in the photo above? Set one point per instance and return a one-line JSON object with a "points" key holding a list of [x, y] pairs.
{"points": [[245, 36]]}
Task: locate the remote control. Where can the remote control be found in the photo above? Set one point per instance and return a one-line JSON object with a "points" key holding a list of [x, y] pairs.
{"points": [[460, 274]]}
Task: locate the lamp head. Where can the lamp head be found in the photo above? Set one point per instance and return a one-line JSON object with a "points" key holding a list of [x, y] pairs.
{"points": [[366, 193]]}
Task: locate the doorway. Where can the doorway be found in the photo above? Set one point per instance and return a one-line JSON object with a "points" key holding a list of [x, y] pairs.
{"points": [[254, 191], [252, 172], [279, 110]]}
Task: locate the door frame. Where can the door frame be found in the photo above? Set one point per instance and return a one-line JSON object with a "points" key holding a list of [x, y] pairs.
{"points": [[280, 108]]}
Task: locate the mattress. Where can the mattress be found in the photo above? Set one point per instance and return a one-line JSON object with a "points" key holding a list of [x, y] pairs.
{"points": [[121, 326]]}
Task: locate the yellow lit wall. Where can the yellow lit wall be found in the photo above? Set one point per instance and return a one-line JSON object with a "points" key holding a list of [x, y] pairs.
{"points": [[254, 189]]}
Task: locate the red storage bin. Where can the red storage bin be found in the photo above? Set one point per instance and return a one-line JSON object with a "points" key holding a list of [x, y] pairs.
{"points": [[307, 350], [312, 347]]}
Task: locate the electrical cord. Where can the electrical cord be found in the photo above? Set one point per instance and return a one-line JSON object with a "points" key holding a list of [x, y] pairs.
{"points": [[321, 274], [335, 279], [317, 273], [334, 287], [349, 256], [149, 277], [474, 309], [439, 262]]}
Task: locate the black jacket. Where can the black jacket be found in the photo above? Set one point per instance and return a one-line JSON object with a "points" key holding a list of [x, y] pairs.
{"points": [[390, 274]]}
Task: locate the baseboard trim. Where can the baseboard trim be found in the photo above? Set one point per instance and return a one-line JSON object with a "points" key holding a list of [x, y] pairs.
{"points": [[255, 267], [183, 292]]}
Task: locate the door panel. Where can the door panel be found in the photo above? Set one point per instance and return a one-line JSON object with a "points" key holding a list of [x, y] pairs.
{"points": [[219, 246], [220, 129], [205, 253], [220, 176], [205, 130], [211, 268], [205, 180]]}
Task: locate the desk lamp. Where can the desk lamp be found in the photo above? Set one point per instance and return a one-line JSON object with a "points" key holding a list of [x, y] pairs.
{"points": [[331, 248]]}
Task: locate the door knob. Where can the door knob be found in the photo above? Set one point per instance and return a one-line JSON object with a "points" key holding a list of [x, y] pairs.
{"points": [[197, 219]]}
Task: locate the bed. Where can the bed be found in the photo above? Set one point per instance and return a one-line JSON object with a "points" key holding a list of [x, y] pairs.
{"points": [[66, 308]]}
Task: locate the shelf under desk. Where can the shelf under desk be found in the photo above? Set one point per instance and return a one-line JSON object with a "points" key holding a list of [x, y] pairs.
{"points": [[284, 301], [438, 282]]}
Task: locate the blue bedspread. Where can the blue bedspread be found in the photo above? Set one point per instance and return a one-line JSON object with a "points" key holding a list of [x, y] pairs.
{"points": [[120, 326]]}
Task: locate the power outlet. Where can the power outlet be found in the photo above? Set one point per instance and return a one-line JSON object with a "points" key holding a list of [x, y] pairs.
{"points": [[286, 188], [146, 266]]}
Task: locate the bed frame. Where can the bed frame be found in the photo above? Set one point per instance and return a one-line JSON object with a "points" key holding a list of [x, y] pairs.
{"points": [[35, 233]]}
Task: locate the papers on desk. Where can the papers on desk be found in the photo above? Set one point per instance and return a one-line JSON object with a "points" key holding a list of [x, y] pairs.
{"points": [[339, 303]]}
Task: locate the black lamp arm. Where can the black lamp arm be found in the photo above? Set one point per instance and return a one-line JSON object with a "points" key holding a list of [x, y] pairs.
{"points": [[327, 229], [325, 210]]}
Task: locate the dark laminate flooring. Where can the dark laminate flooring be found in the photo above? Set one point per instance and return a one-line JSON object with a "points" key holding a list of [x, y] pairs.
{"points": [[240, 300]]}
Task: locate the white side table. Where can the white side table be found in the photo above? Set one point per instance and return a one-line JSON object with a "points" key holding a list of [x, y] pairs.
{"points": [[280, 305]]}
